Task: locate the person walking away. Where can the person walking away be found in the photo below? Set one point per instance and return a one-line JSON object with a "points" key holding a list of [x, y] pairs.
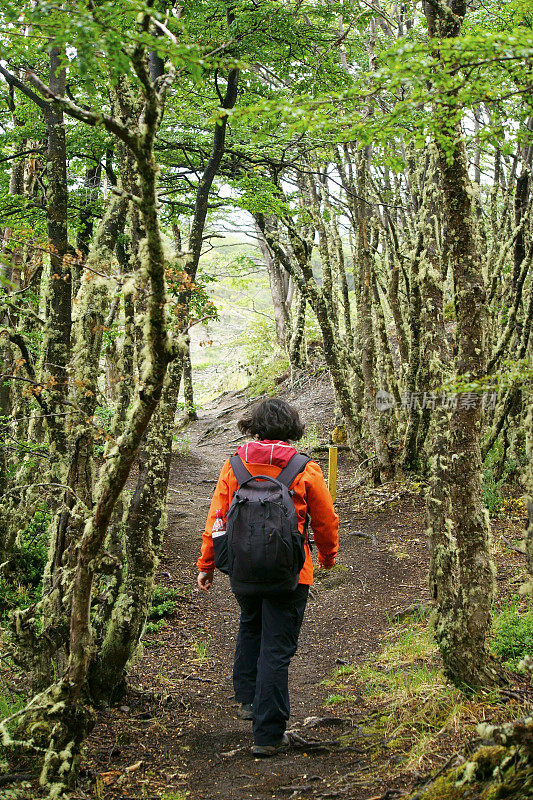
{"points": [[259, 553]]}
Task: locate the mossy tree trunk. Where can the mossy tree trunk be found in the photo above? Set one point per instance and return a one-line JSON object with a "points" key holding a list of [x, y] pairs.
{"points": [[371, 346], [63, 717], [11, 255], [188, 388], [143, 537], [335, 351], [56, 347], [91, 307], [367, 336], [279, 286], [297, 345], [146, 518], [463, 625], [529, 484], [196, 236]]}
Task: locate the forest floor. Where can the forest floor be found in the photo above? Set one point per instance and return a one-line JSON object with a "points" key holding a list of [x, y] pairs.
{"points": [[176, 735]]}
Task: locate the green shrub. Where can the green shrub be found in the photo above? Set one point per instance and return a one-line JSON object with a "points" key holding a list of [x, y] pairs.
{"points": [[162, 610], [264, 380], [21, 584], [492, 492], [10, 704], [312, 328], [512, 635], [103, 418], [164, 602], [154, 627]]}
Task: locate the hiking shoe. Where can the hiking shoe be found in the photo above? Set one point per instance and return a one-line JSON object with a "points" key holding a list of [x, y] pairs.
{"points": [[266, 750], [245, 711]]}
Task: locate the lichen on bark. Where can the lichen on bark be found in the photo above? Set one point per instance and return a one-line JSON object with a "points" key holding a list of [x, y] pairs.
{"points": [[458, 521], [60, 713]]}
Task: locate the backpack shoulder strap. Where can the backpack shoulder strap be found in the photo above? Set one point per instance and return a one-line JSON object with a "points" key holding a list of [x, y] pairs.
{"points": [[296, 465], [239, 470]]}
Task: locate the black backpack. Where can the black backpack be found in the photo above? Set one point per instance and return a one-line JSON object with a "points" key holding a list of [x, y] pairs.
{"points": [[262, 549]]}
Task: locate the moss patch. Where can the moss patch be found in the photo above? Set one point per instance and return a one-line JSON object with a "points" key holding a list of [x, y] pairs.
{"points": [[492, 773]]}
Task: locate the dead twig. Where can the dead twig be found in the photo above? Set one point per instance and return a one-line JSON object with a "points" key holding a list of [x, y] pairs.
{"points": [[304, 787], [511, 546], [16, 777], [197, 678], [390, 499]]}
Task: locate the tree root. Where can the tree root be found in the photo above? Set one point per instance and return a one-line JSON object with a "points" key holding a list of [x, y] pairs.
{"points": [[312, 722], [311, 744], [501, 769], [53, 725]]}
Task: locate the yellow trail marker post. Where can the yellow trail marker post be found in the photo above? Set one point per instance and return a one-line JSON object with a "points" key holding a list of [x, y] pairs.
{"points": [[332, 472]]}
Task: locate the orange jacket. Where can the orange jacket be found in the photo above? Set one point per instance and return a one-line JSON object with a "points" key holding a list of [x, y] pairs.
{"points": [[310, 495]]}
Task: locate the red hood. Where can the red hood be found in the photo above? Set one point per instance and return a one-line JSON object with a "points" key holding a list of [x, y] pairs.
{"points": [[267, 452]]}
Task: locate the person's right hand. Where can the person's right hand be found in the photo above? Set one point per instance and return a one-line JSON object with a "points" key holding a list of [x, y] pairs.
{"points": [[205, 580]]}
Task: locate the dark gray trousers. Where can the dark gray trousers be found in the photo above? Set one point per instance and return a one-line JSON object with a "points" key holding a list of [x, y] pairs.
{"points": [[267, 640]]}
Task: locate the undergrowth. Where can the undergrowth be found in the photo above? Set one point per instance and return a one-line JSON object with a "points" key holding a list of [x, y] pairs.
{"points": [[11, 701], [264, 360], [499, 482], [310, 439], [512, 635], [21, 580], [164, 604], [411, 712], [267, 374]]}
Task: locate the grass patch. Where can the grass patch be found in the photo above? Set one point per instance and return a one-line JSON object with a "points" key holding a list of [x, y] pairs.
{"points": [[164, 604], [338, 699], [411, 715], [492, 493], [410, 644], [499, 483], [344, 669], [512, 635], [266, 376], [263, 360], [154, 627], [332, 578], [182, 444], [10, 703], [514, 508], [201, 649]]}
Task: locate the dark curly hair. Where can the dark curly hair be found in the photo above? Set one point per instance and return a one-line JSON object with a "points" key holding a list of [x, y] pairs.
{"points": [[273, 419]]}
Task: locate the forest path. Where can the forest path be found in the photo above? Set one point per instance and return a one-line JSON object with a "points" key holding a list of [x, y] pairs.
{"points": [[182, 726]]}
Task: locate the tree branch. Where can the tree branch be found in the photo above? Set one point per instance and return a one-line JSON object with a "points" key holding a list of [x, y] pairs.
{"points": [[16, 83], [92, 118]]}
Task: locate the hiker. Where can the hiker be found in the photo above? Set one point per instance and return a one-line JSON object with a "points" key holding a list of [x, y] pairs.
{"points": [[271, 592]]}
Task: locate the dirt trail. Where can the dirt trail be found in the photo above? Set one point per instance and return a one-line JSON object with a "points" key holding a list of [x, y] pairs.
{"points": [[181, 726]]}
